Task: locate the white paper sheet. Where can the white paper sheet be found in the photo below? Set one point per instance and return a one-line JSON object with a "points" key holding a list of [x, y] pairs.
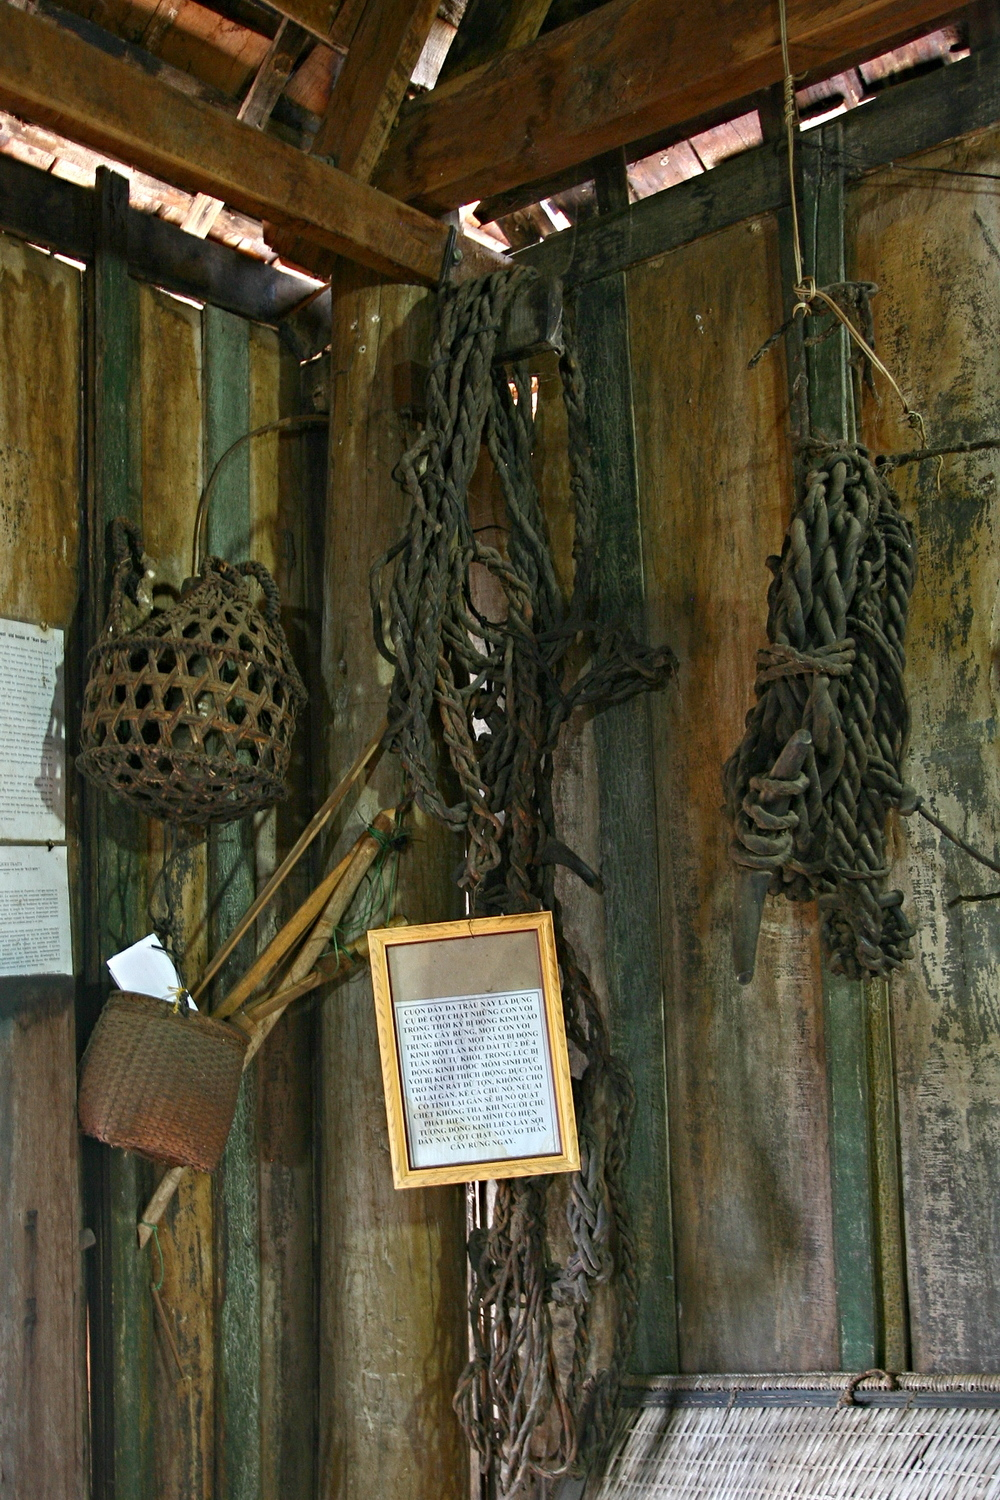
{"points": [[32, 733], [34, 911], [147, 969], [477, 1078]]}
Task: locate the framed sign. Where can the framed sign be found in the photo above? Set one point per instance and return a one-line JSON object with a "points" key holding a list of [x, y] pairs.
{"points": [[474, 1060]]}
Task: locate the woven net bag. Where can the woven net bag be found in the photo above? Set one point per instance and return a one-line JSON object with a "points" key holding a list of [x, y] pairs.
{"points": [[160, 1081], [190, 715]]}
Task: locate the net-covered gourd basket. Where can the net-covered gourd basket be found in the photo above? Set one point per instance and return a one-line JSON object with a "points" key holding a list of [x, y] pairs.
{"points": [[160, 1080], [190, 714]]}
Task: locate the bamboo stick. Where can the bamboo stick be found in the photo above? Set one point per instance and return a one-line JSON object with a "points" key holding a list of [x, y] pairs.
{"points": [[357, 865], [316, 824], [363, 858], [283, 941], [327, 971]]}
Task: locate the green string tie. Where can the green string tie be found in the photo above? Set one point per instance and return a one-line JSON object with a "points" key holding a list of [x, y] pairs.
{"points": [[159, 1249]]}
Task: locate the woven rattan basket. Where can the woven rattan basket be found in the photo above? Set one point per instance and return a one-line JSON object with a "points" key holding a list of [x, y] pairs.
{"points": [[190, 715], [160, 1081]]}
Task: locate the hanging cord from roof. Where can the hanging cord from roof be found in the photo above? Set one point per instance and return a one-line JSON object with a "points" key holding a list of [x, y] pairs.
{"points": [[499, 691], [847, 302]]}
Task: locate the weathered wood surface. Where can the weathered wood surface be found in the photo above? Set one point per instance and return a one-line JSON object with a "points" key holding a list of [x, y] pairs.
{"points": [[232, 887], [51, 77], [364, 103], [392, 1264], [745, 1067], [627, 794], [621, 72], [830, 401], [117, 1182], [43, 1416], [932, 243], [906, 118], [170, 406], [42, 1392]]}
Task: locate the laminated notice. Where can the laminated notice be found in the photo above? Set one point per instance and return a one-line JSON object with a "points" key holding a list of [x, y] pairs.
{"points": [[32, 734]]}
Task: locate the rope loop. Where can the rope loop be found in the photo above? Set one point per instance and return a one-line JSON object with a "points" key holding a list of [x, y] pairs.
{"points": [[486, 648]]}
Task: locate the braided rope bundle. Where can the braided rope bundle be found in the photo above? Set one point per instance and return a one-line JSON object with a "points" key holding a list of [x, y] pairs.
{"points": [[837, 609], [498, 692]]}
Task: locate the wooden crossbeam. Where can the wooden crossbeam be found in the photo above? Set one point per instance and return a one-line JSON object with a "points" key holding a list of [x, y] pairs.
{"points": [[625, 70], [52, 77]]}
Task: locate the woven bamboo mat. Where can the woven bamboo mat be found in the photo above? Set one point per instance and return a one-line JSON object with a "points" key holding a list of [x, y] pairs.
{"points": [[769, 1437]]}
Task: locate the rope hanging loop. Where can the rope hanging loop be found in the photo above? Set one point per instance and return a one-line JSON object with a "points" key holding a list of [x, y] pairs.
{"points": [[494, 690]]}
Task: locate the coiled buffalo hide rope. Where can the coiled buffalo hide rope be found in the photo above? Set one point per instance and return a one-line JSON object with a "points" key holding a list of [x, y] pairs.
{"points": [[498, 692], [836, 624]]}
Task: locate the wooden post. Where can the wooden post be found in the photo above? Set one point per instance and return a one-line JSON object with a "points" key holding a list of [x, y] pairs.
{"points": [[863, 1153], [117, 1183], [628, 829], [393, 1330], [231, 881]]}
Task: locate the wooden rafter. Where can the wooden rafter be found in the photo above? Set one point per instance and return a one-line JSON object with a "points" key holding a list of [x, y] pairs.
{"points": [[366, 98], [263, 94], [627, 69], [52, 77]]}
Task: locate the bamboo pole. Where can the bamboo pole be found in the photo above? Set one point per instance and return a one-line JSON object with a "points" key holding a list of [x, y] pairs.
{"points": [[282, 942], [362, 860], [316, 824], [355, 867], [327, 971]]}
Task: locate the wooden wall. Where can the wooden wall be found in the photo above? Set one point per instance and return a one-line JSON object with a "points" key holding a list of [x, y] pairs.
{"points": [[931, 240], [752, 1146], [746, 1067], [116, 398], [43, 1415]]}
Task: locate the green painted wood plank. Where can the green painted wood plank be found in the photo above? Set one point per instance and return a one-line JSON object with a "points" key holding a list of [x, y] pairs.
{"points": [[117, 887], [628, 826], [226, 352], [852, 1171], [831, 394]]}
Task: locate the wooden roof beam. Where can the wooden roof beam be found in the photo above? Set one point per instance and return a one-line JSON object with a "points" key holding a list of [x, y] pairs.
{"points": [[53, 78], [365, 100], [625, 70]]}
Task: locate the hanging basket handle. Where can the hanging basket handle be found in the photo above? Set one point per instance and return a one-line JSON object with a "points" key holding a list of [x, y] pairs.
{"points": [[284, 424], [272, 600]]}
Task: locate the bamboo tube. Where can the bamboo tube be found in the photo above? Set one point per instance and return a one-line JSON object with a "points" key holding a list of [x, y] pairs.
{"points": [[327, 971], [316, 824], [283, 941], [357, 865], [362, 860]]}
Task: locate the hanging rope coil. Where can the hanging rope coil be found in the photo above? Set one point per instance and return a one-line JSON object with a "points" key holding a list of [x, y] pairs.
{"points": [[837, 609], [498, 691]]}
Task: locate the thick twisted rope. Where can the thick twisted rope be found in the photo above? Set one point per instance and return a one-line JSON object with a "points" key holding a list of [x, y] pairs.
{"points": [[498, 692], [837, 609]]}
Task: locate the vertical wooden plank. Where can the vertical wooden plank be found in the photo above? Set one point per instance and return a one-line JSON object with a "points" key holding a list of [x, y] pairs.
{"points": [[831, 416], [42, 1393], [852, 1170], [231, 890], [282, 537], [392, 1264], [746, 1067], [171, 462], [627, 808], [932, 244], [122, 1354]]}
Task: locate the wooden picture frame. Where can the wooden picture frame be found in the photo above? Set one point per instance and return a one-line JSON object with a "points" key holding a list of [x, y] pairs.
{"points": [[473, 1046]]}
